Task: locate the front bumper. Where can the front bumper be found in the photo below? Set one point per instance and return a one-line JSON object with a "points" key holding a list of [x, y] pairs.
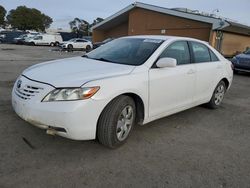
{"points": [[77, 118], [243, 68]]}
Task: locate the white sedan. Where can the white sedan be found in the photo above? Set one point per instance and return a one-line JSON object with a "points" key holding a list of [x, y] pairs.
{"points": [[131, 80], [77, 43]]}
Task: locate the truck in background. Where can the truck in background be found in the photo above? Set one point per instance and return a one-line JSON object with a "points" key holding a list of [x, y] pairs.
{"points": [[45, 40]]}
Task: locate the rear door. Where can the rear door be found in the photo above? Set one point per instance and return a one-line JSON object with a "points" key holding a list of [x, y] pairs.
{"points": [[208, 68], [172, 88], [80, 43]]}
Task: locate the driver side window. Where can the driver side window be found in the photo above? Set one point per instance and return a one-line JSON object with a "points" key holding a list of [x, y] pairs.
{"points": [[178, 50]]}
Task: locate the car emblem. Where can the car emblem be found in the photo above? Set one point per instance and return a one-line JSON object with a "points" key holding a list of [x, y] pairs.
{"points": [[19, 84]]}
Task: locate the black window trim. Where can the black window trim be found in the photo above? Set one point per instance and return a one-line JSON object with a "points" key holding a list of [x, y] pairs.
{"points": [[209, 51], [189, 49]]}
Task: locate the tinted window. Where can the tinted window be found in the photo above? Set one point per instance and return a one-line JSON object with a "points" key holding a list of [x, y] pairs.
{"points": [[201, 52], [129, 51], [80, 40], [38, 38], [213, 56], [179, 51]]}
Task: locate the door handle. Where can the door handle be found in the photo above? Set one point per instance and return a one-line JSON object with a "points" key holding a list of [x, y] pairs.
{"points": [[191, 71]]}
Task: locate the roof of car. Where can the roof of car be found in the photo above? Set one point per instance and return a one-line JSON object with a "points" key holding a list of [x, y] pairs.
{"points": [[162, 37]]}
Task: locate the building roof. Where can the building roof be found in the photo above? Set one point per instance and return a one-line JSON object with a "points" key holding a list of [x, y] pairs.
{"points": [[217, 23]]}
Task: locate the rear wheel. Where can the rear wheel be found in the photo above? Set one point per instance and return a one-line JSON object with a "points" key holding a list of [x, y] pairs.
{"points": [[70, 47], [236, 71], [57, 43], [52, 44], [88, 48], [218, 96], [116, 122]]}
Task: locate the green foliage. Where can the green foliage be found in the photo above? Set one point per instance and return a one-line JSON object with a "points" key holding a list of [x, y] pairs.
{"points": [[79, 26], [2, 15], [24, 18], [96, 21], [82, 27]]}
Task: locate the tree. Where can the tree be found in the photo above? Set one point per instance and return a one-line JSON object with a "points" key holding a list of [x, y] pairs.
{"points": [[79, 26], [2, 15], [24, 18], [96, 21], [82, 27]]}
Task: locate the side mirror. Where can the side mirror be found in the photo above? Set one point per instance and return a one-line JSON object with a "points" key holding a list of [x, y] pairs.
{"points": [[166, 62]]}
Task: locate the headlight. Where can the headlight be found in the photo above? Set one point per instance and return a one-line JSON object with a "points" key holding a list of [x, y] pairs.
{"points": [[235, 60], [71, 94]]}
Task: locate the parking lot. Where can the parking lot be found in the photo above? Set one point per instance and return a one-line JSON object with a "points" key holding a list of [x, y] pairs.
{"points": [[195, 148]]}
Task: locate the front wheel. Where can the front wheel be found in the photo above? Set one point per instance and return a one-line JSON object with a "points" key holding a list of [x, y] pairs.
{"points": [[218, 96], [116, 122]]}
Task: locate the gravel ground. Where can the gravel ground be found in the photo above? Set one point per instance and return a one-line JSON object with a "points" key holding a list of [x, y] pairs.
{"points": [[195, 148]]}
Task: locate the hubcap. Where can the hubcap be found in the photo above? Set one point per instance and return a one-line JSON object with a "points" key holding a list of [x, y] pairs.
{"points": [[124, 123], [219, 94]]}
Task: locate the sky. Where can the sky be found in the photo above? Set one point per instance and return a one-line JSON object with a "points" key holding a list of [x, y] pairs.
{"points": [[63, 11]]}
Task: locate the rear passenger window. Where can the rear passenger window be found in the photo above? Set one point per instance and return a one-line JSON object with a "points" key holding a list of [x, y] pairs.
{"points": [[213, 56], [201, 52], [179, 51]]}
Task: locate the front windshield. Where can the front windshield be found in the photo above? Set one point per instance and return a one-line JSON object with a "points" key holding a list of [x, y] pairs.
{"points": [[107, 40], [128, 51], [72, 40], [22, 36]]}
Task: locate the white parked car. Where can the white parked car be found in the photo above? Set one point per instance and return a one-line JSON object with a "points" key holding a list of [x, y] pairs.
{"points": [[77, 43], [45, 39], [126, 81]]}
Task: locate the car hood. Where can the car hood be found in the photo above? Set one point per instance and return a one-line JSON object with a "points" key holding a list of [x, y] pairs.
{"points": [[74, 72], [243, 56]]}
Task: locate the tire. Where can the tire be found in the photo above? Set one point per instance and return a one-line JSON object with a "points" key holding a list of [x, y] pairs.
{"points": [[57, 43], [88, 48], [32, 44], [70, 47], [52, 44], [236, 71], [218, 96], [113, 127]]}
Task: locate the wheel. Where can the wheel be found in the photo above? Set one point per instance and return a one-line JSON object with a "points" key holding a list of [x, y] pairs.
{"points": [[32, 44], [70, 47], [218, 96], [116, 122], [88, 48], [57, 43], [236, 71], [52, 44]]}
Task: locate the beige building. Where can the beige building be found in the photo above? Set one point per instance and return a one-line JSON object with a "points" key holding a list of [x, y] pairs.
{"points": [[143, 19]]}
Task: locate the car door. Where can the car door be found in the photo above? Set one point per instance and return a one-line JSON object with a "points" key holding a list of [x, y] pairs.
{"points": [[208, 69], [38, 40], [80, 43], [171, 89]]}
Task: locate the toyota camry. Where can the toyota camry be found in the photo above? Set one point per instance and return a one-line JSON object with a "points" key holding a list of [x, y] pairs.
{"points": [[130, 80]]}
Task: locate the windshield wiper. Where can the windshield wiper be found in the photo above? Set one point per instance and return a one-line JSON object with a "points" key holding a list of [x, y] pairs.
{"points": [[99, 59], [102, 59]]}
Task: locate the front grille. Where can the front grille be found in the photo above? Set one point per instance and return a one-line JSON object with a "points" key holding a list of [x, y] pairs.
{"points": [[27, 91], [245, 61]]}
